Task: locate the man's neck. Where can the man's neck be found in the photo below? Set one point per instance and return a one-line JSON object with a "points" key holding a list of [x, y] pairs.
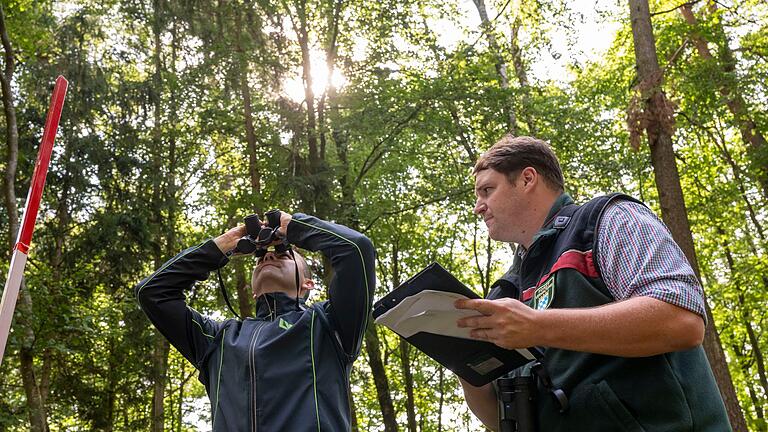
{"points": [[271, 289], [540, 210]]}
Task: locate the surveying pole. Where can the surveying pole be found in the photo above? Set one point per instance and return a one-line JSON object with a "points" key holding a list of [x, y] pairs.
{"points": [[24, 239]]}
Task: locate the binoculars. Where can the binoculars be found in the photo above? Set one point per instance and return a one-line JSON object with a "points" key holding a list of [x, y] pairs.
{"points": [[517, 398], [259, 238]]}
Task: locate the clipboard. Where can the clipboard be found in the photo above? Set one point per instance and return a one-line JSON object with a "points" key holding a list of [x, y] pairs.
{"points": [[477, 362]]}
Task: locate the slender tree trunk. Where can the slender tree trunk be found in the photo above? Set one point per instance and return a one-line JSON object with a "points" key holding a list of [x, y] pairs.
{"points": [[405, 349], [752, 137], [11, 132], [383, 394], [331, 52], [352, 410], [522, 77], [441, 379], [501, 65], [244, 292], [317, 168], [245, 91], [742, 189], [159, 377], [757, 401], [161, 347], [658, 115], [36, 407], [746, 319]]}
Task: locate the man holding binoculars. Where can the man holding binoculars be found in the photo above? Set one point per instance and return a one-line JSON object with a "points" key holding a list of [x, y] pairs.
{"points": [[286, 369]]}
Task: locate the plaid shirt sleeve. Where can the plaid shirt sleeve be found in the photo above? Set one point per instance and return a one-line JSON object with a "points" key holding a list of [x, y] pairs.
{"points": [[638, 257]]}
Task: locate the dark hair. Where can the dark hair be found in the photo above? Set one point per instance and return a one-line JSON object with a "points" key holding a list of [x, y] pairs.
{"points": [[512, 154]]}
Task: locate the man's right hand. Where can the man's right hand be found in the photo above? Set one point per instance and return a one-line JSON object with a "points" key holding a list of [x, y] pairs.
{"points": [[227, 241]]}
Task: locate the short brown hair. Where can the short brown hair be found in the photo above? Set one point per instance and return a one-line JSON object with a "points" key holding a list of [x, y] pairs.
{"points": [[306, 272], [512, 154]]}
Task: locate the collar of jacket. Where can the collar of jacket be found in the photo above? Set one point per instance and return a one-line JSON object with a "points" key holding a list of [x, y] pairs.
{"points": [[546, 231], [271, 305]]}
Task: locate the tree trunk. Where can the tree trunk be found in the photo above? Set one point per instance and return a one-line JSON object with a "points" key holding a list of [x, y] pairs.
{"points": [[245, 91], [36, 408], [372, 348], [244, 292], [352, 410], [405, 349], [441, 379], [522, 77], [11, 133], [160, 344], [658, 117], [747, 322], [500, 64], [320, 197], [752, 137], [159, 377]]}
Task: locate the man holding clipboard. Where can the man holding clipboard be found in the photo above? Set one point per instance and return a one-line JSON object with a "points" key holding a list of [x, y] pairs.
{"points": [[604, 288]]}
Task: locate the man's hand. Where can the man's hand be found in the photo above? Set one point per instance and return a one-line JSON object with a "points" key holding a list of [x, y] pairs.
{"points": [[227, 241], [285, 219], [505, 322]]}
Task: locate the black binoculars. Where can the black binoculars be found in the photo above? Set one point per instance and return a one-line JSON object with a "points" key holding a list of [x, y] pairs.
{"points": [[258, 238], [517, 398]]}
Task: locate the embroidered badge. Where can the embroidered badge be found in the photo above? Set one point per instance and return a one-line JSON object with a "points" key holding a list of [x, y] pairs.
{"points": [[283, 324], [544, 294]]}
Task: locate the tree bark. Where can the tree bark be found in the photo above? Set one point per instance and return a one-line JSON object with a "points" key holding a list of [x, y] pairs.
{"points": [[757, 354], [372, 348], [11, 132], [245, 91], [317, 169], [36, 408], [658, 126], [161, 347], [522, 77], [405, 349], [159, 377]]}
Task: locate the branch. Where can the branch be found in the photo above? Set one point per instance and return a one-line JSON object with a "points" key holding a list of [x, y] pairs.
{"points": [[372, 158], [417, 206], [690, 3], [9, 55]]}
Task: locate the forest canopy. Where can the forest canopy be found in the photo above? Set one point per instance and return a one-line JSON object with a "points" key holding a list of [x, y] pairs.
{"points": [[183, 117]]}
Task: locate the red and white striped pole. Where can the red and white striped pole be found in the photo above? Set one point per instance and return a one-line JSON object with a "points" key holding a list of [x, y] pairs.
{"points": [[20, 250]]}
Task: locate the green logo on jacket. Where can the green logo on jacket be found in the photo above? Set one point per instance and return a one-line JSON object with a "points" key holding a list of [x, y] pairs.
{"points": [[544, 294], [283, 324]]}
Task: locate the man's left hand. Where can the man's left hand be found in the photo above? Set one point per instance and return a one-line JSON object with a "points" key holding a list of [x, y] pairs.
{"points": [[285, 219], [505, 322]]}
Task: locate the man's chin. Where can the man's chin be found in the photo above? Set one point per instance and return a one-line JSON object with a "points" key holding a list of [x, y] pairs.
{"points": [[269, 283]]}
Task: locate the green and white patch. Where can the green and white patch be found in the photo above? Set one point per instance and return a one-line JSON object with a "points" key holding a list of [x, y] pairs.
{"points": [[283, 324], [544, 294]]}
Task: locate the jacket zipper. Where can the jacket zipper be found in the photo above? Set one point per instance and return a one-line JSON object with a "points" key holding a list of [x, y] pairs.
{"points": [[252, 368]]}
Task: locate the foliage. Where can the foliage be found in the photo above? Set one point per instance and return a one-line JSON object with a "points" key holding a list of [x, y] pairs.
{"points": [[183, 117]]}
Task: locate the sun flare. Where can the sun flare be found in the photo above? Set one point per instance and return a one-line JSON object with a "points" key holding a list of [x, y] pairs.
{"points": [[293, 87]]}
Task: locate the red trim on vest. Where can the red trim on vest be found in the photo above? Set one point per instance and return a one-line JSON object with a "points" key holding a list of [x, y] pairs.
{"points": [[580, 261], [528, 294]]}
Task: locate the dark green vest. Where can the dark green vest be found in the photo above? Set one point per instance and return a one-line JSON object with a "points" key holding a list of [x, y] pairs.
{"points": [[669, 392]]}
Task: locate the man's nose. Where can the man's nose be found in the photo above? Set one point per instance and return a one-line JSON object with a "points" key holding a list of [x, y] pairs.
{"points": [[480, 207], [269, 256]]}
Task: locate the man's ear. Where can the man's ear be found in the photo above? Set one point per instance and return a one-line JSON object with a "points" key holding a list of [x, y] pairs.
{"points": [[307, 285], [529, 177]]}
